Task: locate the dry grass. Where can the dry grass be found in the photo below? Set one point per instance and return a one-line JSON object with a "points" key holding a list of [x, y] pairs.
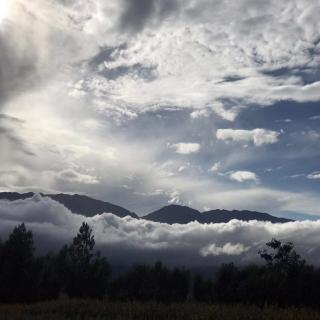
{"points": [[86, 309]]}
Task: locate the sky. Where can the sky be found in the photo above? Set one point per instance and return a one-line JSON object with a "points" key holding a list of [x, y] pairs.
{"points": [[144, 103]]}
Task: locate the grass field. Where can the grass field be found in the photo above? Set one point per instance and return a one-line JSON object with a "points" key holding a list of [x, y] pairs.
{"points": [[78, 309]]}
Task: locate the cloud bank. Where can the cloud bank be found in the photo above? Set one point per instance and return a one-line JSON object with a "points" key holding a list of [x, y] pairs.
{"points": [[128, 240]]}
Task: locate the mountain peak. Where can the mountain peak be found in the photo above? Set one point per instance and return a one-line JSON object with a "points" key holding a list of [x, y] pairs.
{"points": [[173, 213]]}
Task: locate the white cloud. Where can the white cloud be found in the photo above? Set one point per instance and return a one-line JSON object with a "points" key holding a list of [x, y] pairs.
{"points": [[188, 41], [186, 148], [227, 249], [258, 136], [314, 175], [242, 176]]}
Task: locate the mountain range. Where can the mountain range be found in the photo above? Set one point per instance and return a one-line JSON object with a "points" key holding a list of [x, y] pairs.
{"points": [[87, 206], [181, 214]]}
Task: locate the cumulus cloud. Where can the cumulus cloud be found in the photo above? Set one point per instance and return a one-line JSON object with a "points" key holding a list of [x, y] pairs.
{"points": [[188, 40], [186, 148], [123, 45], [128, 240], [242, 176], [259, 137]]}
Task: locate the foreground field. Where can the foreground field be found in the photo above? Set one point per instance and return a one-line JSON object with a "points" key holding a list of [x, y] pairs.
{"points": [[78, 309]]}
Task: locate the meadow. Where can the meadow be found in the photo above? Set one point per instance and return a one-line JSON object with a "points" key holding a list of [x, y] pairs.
{"points": [[95, 309]]}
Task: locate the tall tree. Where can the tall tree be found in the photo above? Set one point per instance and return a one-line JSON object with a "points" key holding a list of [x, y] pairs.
{"points": [[285, 272], [281, 256], [81, 250], [17, 276], [86, 273]]}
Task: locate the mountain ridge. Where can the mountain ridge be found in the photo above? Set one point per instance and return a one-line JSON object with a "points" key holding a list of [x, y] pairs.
{"points": [[170, 214], [175, 214]]}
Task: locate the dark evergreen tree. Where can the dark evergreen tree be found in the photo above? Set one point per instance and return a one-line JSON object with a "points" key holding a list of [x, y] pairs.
{"points": [[49, 284], [84, 273], [17, 267]]}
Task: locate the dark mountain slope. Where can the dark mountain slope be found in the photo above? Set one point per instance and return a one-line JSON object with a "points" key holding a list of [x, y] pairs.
{"points": [[180, 214], [76, 203], [88, 206]]}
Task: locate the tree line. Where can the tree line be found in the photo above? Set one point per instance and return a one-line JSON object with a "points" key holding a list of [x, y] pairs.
{"points": [[78, 271]]}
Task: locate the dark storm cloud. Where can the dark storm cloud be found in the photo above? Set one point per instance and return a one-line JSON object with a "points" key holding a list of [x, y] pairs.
{"points": [[138, 13]]}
